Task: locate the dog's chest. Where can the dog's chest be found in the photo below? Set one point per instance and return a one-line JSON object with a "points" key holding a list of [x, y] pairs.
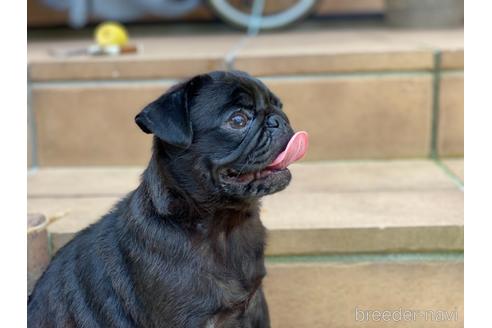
{"points": [[235, 287], [237, 265]]}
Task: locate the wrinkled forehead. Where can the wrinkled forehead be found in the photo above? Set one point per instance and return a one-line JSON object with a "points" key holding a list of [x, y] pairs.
{"points": [[231, 90]]}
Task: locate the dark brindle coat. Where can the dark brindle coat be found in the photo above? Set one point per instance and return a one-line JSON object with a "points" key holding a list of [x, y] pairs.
{"points": [[185, 249]]}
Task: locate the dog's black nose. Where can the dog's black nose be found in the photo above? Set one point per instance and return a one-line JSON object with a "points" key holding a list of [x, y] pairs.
{"points": [[273, 121]]}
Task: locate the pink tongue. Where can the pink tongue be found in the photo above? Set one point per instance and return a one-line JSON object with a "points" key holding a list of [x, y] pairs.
{"points": [[295, 150]]}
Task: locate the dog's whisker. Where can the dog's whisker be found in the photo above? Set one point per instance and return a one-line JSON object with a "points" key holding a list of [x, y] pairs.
{"points": [[242, 167]]}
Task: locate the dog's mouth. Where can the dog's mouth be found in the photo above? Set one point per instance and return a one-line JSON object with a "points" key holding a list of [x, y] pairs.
{"points": [[294, 151], [234, 176]]}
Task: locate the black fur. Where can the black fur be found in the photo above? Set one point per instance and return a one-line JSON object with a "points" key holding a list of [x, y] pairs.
{"points": [[185, 249]]}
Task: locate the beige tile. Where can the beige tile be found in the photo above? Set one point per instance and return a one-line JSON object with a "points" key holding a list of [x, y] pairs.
{"points": [[451, 115], [350, 50], [93, 125], [31, 131], [314, 63], [360, 117], [29, 141], [450, 42], [381, 209], [158, 57], [456, 165], [325, 176], [69, 215], [295, 52], [331, 51], [327, 294], [332, 207], [314, 241], [366, 176], [83, 181], [347, 117], [453, 59], [315, 223]]}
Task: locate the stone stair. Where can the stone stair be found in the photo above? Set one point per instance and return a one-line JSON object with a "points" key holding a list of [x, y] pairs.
{"points": [[373, 235], [373, 219], [333, 207], [361, 93]]}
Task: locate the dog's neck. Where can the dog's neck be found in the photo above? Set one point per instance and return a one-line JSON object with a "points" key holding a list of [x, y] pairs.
{"points": [[169, 200], [230, 235]]}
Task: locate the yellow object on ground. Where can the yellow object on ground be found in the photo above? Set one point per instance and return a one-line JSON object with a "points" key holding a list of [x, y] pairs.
{"points": [[111, 34]]}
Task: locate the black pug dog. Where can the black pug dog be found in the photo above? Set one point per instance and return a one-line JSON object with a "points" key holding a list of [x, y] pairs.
{"points": [[185, 249]]}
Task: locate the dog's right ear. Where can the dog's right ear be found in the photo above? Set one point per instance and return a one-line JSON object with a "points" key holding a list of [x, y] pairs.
{"points": [[168, 117]]}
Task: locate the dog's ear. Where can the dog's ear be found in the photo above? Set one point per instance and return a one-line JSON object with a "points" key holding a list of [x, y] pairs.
{"points": [[168, 117]]}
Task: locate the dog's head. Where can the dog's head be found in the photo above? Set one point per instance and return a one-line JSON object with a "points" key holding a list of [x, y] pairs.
{"points": [[223, 136]]}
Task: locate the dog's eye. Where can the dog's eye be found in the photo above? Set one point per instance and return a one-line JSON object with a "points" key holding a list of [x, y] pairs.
{"points": [[238, 120]]}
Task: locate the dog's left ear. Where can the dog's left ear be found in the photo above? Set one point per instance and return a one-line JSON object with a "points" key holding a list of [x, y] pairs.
{"points": [[168, 117]]}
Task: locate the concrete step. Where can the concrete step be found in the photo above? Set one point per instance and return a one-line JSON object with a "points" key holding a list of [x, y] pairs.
{"points": [[350, 51], [361, 93], [330, 207], [456, 166], [414, 291], [345, 238], [365, 117], [354, 50]]}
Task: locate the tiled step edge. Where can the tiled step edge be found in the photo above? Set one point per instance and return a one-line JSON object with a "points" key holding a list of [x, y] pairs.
{"points": [[317, 293], [329, 207], [318, 51]]}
